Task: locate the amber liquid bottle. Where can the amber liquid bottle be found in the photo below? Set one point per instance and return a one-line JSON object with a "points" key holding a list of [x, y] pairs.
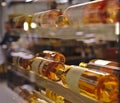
{"points": [[94, 12], [22, 59], [62, 21], [54, 96], [103, 65], [53, 55], [97, 85], [46, 18], [112, 8], [104, 11], [26, 92], [47, 68]]}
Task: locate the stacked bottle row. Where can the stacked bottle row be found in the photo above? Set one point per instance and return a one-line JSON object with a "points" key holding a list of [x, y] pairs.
{"points": [[27, 93], [95, 79], [98, 11]]}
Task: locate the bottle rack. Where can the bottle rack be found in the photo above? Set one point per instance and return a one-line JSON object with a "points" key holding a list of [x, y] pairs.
{"points": [[43, 83], [56, 87]]}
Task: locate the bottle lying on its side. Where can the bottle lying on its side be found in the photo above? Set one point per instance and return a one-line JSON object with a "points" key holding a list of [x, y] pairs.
{"points": [[98, 85], [47, 68], [53, 55], [102, 65], [22, 59]]}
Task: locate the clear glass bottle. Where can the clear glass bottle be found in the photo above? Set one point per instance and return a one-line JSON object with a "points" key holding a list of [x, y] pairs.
{"points": [[94, 84], [53, 55], [47, 68]]}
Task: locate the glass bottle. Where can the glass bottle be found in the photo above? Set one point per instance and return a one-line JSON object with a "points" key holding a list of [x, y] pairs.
{"points": [[53, 55], [94, 12], [47, 68], [55, 97], [62, 21], [22, 59], [112, 8], [46, 18], [26, 92], [103, 65], [96, 85]]}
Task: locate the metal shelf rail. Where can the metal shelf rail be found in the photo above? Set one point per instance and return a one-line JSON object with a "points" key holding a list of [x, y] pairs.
{"points": [[56, 87]]}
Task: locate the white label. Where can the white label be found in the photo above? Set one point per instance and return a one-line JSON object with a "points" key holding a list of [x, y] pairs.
{"points": [[102, 62], [35, 65], [73, 77], [32, 77], [41, 66]]}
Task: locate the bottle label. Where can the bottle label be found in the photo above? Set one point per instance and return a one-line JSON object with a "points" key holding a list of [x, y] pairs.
{"points": [[73, 77], [42, 66], [32, 77], [35, 65], [102, 62]]}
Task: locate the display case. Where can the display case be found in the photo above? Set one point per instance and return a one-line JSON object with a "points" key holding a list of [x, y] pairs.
{"points": [[82, 26]]}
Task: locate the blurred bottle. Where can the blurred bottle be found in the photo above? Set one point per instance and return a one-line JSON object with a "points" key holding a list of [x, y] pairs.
{"points": [[97, 85], [22, 59], [47, 18], [53, 55], [20, 20], [62, 21], [55, 97], [26, 92], [94, 12], [103, 65], [112, 8], [47, 68], [104, 11]]}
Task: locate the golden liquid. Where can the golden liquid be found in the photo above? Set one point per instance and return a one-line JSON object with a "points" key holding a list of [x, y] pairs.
{"points": [[25, 94], [55, 97], [103, 65], [48, 68], [62, 21], [47, 18], [105, 11], [97, 85], [112, 9], [53, 55]]}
